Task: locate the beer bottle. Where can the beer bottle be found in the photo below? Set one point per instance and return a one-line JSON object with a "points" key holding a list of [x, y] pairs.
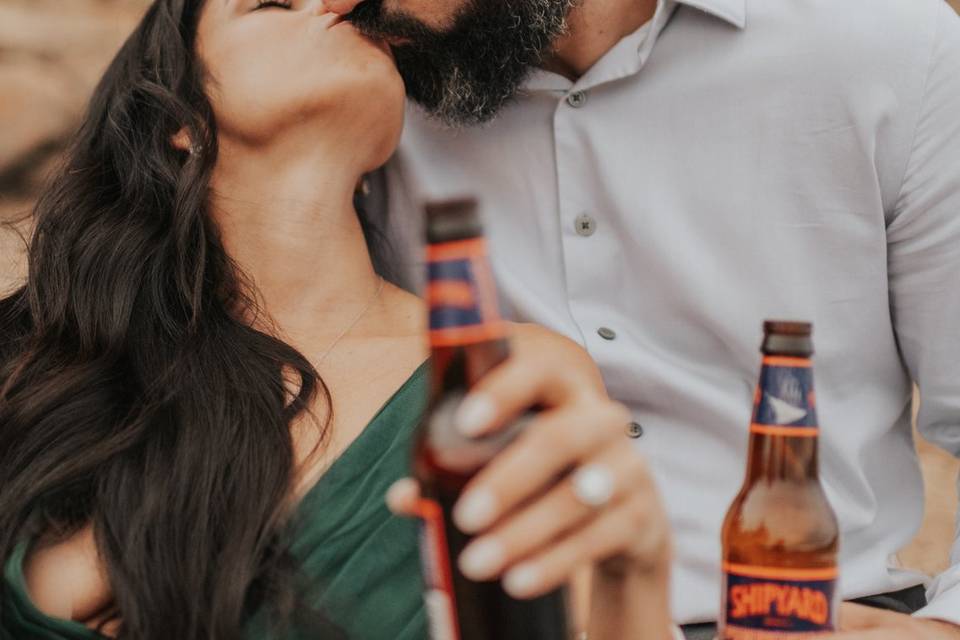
{"points": [[468, 338], [780, 536]]}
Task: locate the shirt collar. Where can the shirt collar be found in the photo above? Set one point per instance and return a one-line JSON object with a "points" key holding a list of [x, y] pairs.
{"points": [[733, 11]]}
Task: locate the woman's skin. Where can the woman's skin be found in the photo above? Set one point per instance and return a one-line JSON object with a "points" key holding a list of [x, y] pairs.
{"points": [[305, 106]]}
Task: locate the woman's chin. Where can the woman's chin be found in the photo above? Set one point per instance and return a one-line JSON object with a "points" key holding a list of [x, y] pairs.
{"points": [[388, 143], [378, 43], [373, 109]]}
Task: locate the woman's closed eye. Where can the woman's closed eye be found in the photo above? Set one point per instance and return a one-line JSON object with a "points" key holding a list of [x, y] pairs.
{"points": [[276, 4]]}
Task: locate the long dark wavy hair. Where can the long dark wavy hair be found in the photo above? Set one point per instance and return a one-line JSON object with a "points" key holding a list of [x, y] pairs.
{"points": [[135, 394]]}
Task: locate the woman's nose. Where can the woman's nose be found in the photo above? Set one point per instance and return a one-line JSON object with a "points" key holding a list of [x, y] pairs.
{"points": [[341, 6]]}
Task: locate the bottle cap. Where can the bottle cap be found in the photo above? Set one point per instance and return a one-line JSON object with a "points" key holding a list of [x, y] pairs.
{"points": [[787, 338], [452, 220], [788, 327]]}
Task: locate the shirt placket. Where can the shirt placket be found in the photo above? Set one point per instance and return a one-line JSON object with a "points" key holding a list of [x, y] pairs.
{"points": [[589, 243]]}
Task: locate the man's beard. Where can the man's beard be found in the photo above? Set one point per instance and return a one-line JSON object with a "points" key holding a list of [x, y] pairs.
{"points": [[465, 74]]}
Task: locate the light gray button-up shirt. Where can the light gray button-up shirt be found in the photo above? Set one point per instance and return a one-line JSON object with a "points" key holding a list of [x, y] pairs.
{"points": [[733, 161]]}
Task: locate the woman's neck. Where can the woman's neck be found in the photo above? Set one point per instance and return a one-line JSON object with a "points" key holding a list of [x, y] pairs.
{"points": [[289, 223]]}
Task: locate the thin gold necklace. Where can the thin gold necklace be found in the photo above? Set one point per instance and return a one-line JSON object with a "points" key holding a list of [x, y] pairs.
{"points": [[353, 323]]}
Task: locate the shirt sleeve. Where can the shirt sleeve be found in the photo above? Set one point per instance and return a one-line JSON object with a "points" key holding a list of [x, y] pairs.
{"points": [[923, 238]]}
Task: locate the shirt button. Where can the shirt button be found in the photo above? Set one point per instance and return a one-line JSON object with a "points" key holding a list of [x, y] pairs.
{"points": [[607, 333], [585, 225], [577, 99], [635, 430]]}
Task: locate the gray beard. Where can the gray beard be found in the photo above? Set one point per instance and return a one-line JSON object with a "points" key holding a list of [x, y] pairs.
{"points": [[466, 74]]}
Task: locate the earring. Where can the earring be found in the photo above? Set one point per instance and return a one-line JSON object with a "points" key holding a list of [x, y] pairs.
{"points": [[363, 188], [196, 149]]}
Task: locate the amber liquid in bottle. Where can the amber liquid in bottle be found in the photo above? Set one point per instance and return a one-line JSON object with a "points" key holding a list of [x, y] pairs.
{"points": [[780, 536], [468, 338]]}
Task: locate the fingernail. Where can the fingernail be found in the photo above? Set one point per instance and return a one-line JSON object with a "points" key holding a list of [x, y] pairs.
{"points": [[482, 559], [522, 580], [475, 510], [475, 414], [397, 492]]}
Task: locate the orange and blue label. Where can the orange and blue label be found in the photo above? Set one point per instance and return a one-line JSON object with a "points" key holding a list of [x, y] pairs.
{"points": [[776, 602], [461, 294], [784, 402]]}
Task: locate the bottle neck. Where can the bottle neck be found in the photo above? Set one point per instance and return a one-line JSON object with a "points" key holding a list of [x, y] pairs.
{"points": [[468, 336], [779, 458], [784, 430]]}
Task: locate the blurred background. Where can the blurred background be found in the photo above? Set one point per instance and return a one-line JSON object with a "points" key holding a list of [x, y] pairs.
{"points": [[51, 54]]}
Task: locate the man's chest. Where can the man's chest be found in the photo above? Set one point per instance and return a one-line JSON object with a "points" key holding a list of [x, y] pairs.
{"points": [[669, 211], [636, 207]]}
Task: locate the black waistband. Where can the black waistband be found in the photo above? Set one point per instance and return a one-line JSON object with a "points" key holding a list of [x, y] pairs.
{"points": [[907, 600]]}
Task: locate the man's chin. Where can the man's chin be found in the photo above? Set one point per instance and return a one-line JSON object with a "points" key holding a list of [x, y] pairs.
{"points": [[465, 75]]}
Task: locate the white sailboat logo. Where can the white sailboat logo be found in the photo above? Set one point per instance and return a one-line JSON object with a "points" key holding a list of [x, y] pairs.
{"points": [[784, 412]]}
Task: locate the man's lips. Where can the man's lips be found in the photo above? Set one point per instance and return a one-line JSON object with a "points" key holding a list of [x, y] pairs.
{"points": [[342, 6]]}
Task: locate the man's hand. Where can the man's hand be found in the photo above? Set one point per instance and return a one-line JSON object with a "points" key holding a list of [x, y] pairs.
{"points": [[858, 622]]}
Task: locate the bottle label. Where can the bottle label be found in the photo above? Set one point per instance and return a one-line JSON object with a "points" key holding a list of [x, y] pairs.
{"points": [[784, 402], [438, 598], [461, 295], [766, 603]]}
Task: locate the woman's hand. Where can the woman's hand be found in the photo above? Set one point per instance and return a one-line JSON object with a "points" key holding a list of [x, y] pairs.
{"points": [[569, 491]]}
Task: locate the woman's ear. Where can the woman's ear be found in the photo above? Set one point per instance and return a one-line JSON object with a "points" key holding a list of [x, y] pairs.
{"points": [[181, 140]]}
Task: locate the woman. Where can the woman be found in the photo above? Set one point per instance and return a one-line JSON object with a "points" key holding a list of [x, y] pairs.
{"points": [[190, 445]]}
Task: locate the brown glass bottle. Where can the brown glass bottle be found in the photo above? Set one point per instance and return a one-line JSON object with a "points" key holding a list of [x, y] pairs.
{"points": [[467, 338], [780, 536]]}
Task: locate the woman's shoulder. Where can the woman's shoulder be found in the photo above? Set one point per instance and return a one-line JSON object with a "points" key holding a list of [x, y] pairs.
{"points": [[67, 580]]}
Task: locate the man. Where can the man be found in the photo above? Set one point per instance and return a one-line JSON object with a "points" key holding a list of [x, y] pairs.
{"points": [[660, 176]]}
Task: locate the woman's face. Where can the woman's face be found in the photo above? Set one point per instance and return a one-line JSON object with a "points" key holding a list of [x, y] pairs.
{"points": [[288, 69]]}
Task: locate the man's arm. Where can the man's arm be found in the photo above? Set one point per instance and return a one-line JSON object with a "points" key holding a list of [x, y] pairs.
{"points": [[923, 236]]}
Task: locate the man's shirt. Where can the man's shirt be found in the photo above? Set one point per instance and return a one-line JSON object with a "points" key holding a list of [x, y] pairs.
{"points": [[730, 162]]}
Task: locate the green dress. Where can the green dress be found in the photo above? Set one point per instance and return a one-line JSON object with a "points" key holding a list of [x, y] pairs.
{"points": [[362, 559]]}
